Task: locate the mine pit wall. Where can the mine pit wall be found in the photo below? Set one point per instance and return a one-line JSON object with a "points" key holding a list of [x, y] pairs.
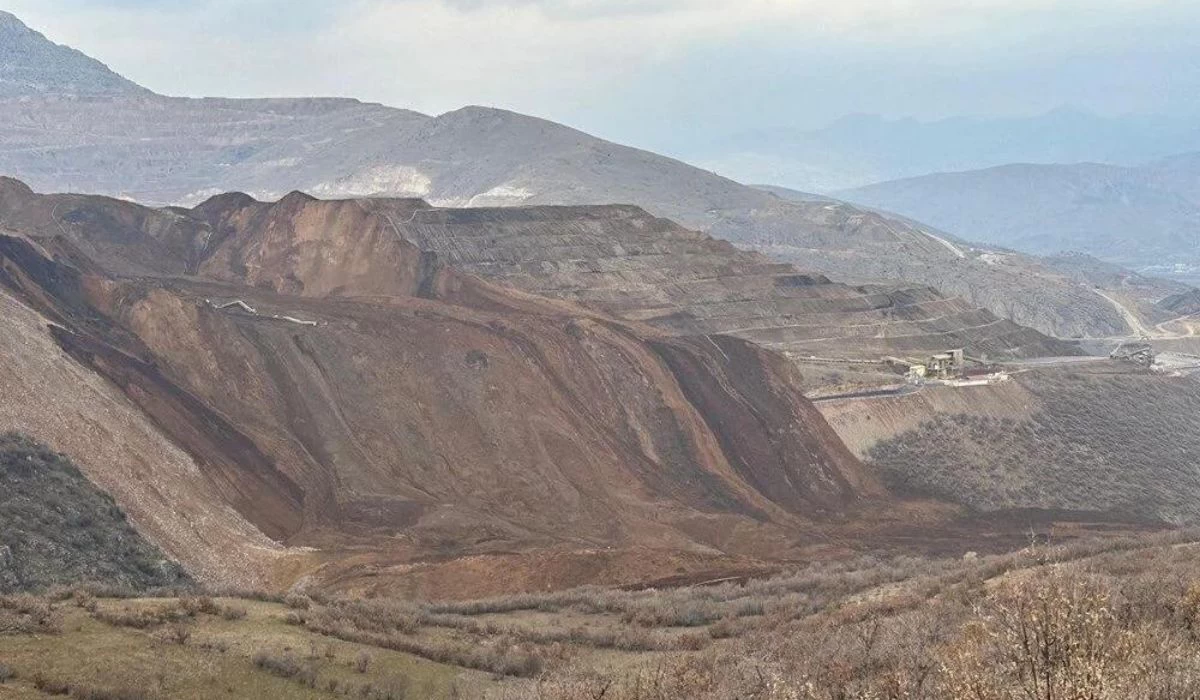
{"points": [[864, 423]]}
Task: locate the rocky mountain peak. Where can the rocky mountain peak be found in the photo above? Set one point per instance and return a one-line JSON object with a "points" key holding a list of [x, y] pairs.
{"points": [[31, 64], [9, 22]]}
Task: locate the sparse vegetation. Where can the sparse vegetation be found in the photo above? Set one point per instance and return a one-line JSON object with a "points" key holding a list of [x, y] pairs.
{"points": [[1123, 444], [1103, 619], [57, 528]]}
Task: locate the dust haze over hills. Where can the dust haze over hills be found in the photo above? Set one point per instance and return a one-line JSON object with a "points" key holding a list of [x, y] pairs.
{"points": [[1145, 217], [861, 150], [162, 150]]}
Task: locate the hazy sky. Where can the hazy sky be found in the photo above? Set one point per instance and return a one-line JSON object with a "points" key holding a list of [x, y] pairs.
{"points": [[656, 73]]}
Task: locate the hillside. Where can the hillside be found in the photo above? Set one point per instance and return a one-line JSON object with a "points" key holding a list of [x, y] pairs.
{"points": [[857, 244], [860, 626], [57, 528], [30, 65], [1091, 439], [324, 383], [1043, 209], [625, 262], [162, 150]]}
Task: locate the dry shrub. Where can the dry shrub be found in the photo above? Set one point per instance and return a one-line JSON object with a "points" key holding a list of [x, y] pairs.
{"points": [[286, 666], [85, 600], [297, 619], [1056, 635], [26, 614], [177, 633], [199, 605], [707, 676], [86, 693], [142, 617], [493, 658]]}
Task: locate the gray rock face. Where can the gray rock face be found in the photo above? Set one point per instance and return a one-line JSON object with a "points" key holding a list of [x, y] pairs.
{"points": [[32, 65]]}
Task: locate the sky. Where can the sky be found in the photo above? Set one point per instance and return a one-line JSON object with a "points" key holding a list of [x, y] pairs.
{"points": [[662, 74]]}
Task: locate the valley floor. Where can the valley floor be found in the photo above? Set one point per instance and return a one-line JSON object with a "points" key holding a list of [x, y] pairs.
{"points": [[863, 627]]}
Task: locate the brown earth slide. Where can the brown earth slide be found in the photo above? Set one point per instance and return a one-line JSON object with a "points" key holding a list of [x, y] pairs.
{"points": [[294, 392]]}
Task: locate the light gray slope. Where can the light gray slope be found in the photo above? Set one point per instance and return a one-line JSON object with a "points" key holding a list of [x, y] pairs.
{"points": [[1140, 217], [163, 150], [180, 151], [793, 195], [32, 65], [859, 245]]}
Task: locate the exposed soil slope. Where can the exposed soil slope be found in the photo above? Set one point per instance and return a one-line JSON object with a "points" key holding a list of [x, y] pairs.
{"points": [[44, 392], [626, 262], [369, 401]]}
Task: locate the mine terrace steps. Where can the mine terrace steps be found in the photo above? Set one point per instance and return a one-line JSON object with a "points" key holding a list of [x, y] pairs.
{"points": [[624, 261]]}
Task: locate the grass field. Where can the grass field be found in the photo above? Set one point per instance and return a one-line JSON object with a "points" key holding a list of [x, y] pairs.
{"points": [[203, 655], [865, 627]]}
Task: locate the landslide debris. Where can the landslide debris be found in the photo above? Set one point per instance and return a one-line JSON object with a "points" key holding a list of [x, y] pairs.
{"points": [[429, 415]]}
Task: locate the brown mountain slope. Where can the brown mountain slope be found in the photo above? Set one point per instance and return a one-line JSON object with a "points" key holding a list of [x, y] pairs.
{"points": [[370, 402], [618, 259]]}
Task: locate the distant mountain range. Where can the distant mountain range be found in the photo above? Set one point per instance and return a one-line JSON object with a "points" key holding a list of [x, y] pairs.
{"points": [[1145, 217], [860, 150], [74, 125]]}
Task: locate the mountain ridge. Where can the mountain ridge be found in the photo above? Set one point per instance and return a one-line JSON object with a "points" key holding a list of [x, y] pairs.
{"points": [[32, 65], [859, 150], [181, 151], [1086, 207]]}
